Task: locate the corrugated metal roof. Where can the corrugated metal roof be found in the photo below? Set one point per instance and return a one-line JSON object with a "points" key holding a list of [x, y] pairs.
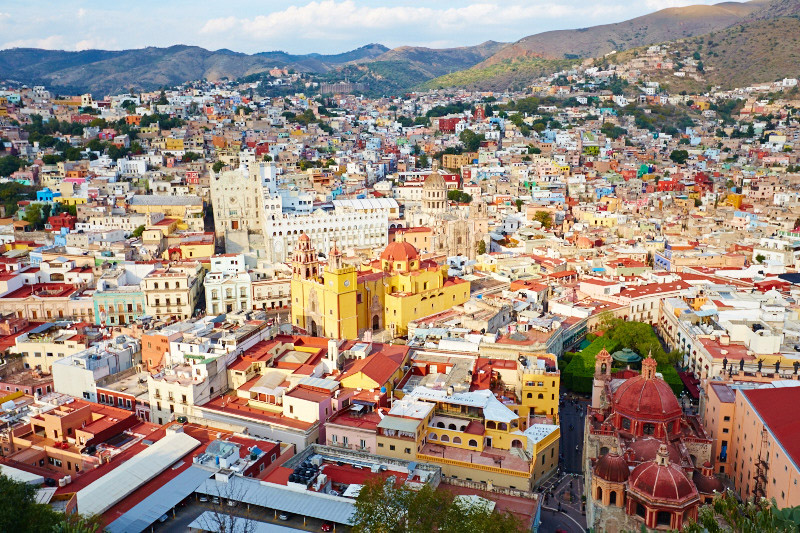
{"points": [[320, 383], [409, 425], [102, 494], [303, 503], [144, 513], [209, 522]]}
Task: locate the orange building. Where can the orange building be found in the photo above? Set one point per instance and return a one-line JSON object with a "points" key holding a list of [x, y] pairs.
{"points": [[765, 448]]}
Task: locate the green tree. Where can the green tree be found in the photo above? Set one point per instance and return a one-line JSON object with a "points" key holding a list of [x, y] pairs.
{"points": [[137, 232], [19, 510], [191, 156], [544, 217], [78, 523], [518, 202], [679, 156], [423, 161], [72, 154], [10, 164], [471, 140], [459, 196], [33, 215], [383, 507], [267, 158], [534, 149], [481, 247], [217, 166], [760, 258], [728, 514]]}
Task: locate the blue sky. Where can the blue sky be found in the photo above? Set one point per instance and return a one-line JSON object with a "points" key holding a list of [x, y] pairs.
{"points": [[325, 26]]}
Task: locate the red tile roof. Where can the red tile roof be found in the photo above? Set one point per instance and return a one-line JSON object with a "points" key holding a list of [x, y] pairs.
{"points": [[782, 423]]}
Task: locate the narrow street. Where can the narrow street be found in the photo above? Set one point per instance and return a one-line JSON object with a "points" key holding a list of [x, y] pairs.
{"points": [[562, 506]]}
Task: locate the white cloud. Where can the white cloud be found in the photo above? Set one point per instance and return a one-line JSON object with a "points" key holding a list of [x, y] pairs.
{"points": [[342, 19], [52, 42]]}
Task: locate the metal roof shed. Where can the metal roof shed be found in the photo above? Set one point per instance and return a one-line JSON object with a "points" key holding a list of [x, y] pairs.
{"points": [[147, 511], [106, 491], [263, 494]]}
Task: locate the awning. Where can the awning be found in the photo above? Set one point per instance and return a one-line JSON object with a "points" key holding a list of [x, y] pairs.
{"points": [[691, 383]]}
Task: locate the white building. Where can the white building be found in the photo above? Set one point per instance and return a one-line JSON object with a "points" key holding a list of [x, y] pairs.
{"points": [[228, 285]]}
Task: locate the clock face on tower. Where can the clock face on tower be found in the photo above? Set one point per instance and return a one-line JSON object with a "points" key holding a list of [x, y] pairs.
{"points": [[347, 283]]}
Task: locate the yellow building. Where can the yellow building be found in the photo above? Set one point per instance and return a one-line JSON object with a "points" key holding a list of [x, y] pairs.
{"points": [[472, 436], [340, 302]]}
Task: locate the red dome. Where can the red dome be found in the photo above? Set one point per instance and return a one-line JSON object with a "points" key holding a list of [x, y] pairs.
{"points": [[399, 251], [646, 399], [612, 467], [304, 237], [663, 481]]}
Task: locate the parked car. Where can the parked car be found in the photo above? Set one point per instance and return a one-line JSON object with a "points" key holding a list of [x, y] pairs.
{"points": [[327, 526], [163, 518], [284, 516], [203, 498], [215, 499], [232, 503]]}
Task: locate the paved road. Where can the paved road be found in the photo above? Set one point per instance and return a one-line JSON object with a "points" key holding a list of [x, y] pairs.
{"points": [[563, 507], [572, 414]]}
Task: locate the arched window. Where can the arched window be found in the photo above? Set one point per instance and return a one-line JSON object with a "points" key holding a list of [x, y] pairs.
{"points": [[541, 396], [649, 429], [473, 443], [502, 426], [440, 424], [626, 423], [451, 426], [612, 497], [456, 440], [445, 438], [599, 496], [663, 518], [432, 436], [530, 395]]}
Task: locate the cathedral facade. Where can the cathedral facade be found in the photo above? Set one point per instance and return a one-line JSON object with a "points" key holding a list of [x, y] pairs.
{"points": [[338, 300], [454, 231]]}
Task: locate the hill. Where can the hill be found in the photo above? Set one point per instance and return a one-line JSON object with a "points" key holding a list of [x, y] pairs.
{"points": [[103, 71], [763, 50], [540, 53], [406, 67]]}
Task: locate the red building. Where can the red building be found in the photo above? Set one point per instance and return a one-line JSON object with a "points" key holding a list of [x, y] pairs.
{"points": [[448, 125], [62, 220]]}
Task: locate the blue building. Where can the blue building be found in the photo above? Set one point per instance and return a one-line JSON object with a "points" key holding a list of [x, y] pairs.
{"points": [[118, 306]]}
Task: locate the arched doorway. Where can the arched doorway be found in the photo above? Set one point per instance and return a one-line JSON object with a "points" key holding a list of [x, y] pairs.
{"points": [[516, 443], [376, 323], [313, 329]]}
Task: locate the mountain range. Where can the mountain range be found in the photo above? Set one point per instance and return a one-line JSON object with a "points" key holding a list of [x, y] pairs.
{"points": [[490, 65]]}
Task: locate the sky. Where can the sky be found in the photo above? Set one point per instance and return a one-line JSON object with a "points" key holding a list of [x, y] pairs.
{"points": [[323, 26]]}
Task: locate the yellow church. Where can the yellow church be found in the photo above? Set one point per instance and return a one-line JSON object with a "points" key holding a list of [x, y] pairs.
{"points": [[339, 301]]}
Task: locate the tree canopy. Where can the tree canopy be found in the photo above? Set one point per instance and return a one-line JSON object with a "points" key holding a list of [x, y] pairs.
{"points": [[727, 513], [459, 196], [679, 156], [386, 508]]}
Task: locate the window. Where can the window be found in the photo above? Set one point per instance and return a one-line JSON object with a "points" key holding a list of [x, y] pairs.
{"points": [[391, 447], [473, 443]]}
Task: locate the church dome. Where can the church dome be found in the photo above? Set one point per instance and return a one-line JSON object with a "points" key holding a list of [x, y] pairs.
{"points": [[399, 251], [646, 396], [662, 480], [434, 181], [612, 467], [304, 237]]}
